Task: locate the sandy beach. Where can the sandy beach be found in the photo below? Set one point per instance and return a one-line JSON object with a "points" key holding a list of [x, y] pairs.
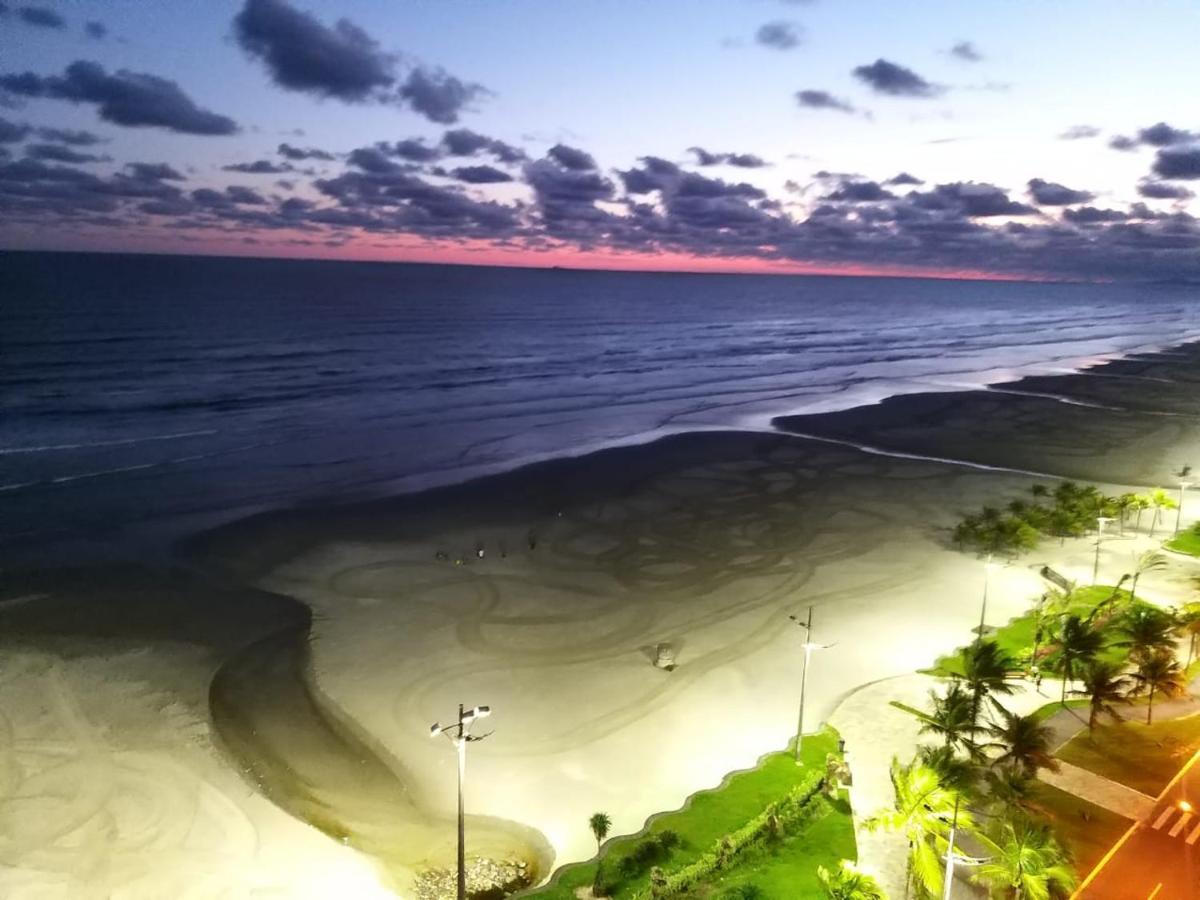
{"points": [[315, 732]]}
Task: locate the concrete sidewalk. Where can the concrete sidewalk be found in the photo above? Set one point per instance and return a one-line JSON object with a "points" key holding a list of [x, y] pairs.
{"points": [[1117, 798]]}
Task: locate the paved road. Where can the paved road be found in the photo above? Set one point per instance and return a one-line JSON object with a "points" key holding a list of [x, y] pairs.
{"points": [[1159, 857]]}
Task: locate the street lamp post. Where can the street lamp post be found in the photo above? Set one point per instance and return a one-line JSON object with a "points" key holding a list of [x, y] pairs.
{"points": [[948, 878], [809, 647], [459, 735], [1183, 486], [988, 568], [1101, 521]]}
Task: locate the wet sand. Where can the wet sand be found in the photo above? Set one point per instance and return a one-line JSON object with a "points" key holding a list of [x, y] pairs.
{"points": [[707, 541]]}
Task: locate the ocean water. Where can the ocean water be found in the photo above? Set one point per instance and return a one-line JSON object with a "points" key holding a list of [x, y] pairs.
{"points": [[141, 397]]}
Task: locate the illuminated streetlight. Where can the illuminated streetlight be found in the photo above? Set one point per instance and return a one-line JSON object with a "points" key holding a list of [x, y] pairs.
{"points": [[1183, 486], [459, 735], [809, 647], [1101, 521]]}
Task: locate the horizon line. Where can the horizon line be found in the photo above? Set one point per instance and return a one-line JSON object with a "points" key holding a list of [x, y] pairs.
{"points": [[817, 271]]}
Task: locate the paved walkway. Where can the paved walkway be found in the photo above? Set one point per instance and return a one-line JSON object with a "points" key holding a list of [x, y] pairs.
{"points": [[1117, 798]]}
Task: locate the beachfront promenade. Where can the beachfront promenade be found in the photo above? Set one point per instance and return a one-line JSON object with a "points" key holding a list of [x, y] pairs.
{"points": [[876, 729]]}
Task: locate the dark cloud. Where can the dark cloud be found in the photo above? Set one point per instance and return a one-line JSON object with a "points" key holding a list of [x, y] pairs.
{"points": [[970, 199], [343, 62], [239, 194], [1079, 132], [860, 192], [302, 54], [1123, 142], [571, 158], [60, 153], [124, 98], [97, 31], [154, 172], [1177, 163], [373, 159], [1163, 135], [1090, 215], [966, 51], [259, 167], [779, 35], [412, 149], [287, 151], [480, 175], [885, 77], [566, 197], [1048, 193], [656, 174], [739, 160], [11, 132], [41, 17], [823, 100], [1158, 190], [70, 136], [391, 200], [904, 178], [438, 95], [464, 142]]}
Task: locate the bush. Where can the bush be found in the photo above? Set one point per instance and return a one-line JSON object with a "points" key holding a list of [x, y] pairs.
{"points": [[647, 852], [743, 892]]}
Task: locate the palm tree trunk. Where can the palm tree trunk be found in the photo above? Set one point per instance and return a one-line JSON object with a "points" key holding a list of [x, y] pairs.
{"points": [[1154, 522], [1133, 587], [1150, 705]]}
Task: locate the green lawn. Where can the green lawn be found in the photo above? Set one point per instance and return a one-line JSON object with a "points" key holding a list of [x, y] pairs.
{"points": [[1144, 757], [1016, 637], [1186, 542], [789, 869], [1084, 829], [713, 814]]}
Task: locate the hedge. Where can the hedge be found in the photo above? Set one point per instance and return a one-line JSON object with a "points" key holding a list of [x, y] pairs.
{"points": [[802, 805]]}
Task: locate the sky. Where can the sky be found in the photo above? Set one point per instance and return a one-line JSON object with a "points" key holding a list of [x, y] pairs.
{"points": [[993, 139]]}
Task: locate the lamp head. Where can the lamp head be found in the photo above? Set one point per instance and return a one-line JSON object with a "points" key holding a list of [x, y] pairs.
{"points": [[434, 730]]}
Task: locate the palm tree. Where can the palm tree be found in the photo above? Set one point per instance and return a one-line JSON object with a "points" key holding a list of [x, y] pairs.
{"points": [[1078, 643], [1123, 505], [1027, 864], [986, 669], [1149, 561], [1158, 673], [1024, 740], [952, 716], [955, 772], [1161, 501], [1012, 788], [1141, 503], [923, 810], [1145, 630], [1189, 621], [848, 883], [600, 823], [1104, 686]]}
